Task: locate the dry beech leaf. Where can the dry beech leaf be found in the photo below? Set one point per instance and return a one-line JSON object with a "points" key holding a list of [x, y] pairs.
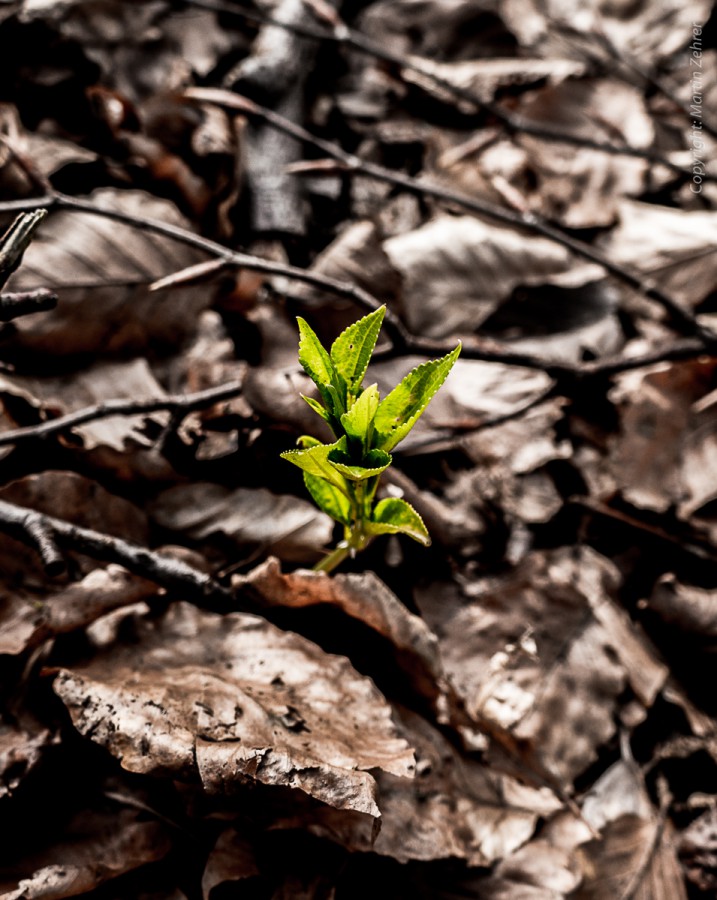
{"points": [[132, 380], [636, 851], [28, 619], [486, 76], [288, 526], [675, 248], [95, 848], [457, 270], [364, 597], [231, 698], [582, 187], [691, 609], [101, 271], [666, 451], [541, 655]]}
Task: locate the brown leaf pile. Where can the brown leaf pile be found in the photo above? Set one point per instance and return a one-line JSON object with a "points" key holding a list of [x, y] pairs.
{"points": [[525, 710]]}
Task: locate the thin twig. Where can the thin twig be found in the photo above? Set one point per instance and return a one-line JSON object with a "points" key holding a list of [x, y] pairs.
{"points": [[23, 303], [513, 123], [174, 403]]}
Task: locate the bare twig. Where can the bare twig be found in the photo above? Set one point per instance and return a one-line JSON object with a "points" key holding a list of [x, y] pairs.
{"points": [[47, 534], [682, 319], [513, 123], [181, 404], [22, 303]]}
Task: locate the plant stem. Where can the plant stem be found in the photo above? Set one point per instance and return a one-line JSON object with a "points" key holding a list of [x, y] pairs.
{"points": [[334, 559]]}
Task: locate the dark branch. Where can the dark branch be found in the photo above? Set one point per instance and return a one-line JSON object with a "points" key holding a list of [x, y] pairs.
{"points": [[46, 534]]}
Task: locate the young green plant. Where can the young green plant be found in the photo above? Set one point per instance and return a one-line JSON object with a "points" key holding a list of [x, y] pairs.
{"points": [[343, 476]]}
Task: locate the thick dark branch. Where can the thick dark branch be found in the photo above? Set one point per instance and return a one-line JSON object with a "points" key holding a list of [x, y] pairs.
{"points": [[46, 534], [513, 123], [682, 319]]}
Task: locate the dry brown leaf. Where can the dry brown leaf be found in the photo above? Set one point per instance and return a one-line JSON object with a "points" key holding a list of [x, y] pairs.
{"points": [[636, 852], [249, 517], [101, 270], [20, 751], [231, 698], [675, 248], [582, 187], [692, 609], [365, 597], [102, 381], [95, 847], [542, 654], [666, 452], [698, 851], [28, 619], [232, 859], [457, 271]]}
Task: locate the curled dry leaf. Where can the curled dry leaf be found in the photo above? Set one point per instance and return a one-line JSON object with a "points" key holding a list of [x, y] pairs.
{"points": [[232, 859], [101, 271], [542, 654], [230, 698], [28, 619], [364, 597], [689, 608], [95, 848], [249, 517]]}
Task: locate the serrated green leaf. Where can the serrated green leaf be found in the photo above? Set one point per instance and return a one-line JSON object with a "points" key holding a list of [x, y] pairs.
{"points": [[373, 463], [318, 408], [358, 421], [328, 498], [400, 410], [352, 349], [317, 364], [314, 460], [394, 515]]}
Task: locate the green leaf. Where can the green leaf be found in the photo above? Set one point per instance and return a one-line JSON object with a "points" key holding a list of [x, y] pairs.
{"points": [[358, 421], [373, 463], [314, 460], [328, 498], [399, 411], [317, 364], [318, 408], [352, 349], [393, 515]]}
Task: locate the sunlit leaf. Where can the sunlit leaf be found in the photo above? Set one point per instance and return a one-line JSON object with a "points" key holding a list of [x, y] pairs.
{"points": [[314, 460], [374, 463], [394, 515], [358, 421], [399, 411], [316, 362], [352, 349], [328, 498]]}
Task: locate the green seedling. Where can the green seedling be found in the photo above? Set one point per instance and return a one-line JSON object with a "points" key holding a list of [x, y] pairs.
{"points": [[343, 477]]}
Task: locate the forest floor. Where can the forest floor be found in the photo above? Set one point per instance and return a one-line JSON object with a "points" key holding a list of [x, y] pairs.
{"points": [[525, 710]]}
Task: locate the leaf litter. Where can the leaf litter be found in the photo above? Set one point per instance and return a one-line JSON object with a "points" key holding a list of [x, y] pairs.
{"points": [[522, 710]]}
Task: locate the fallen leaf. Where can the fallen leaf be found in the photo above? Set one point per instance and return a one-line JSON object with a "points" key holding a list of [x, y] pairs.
{"points": [[550, 689], [101, 270], [231, 698], [253, 517]]}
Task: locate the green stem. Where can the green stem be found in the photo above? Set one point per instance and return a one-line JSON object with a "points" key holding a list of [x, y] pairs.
{"points": [[333, 559]]}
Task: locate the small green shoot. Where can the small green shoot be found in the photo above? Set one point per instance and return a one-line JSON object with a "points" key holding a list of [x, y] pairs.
{"points": [[343, 477]]}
